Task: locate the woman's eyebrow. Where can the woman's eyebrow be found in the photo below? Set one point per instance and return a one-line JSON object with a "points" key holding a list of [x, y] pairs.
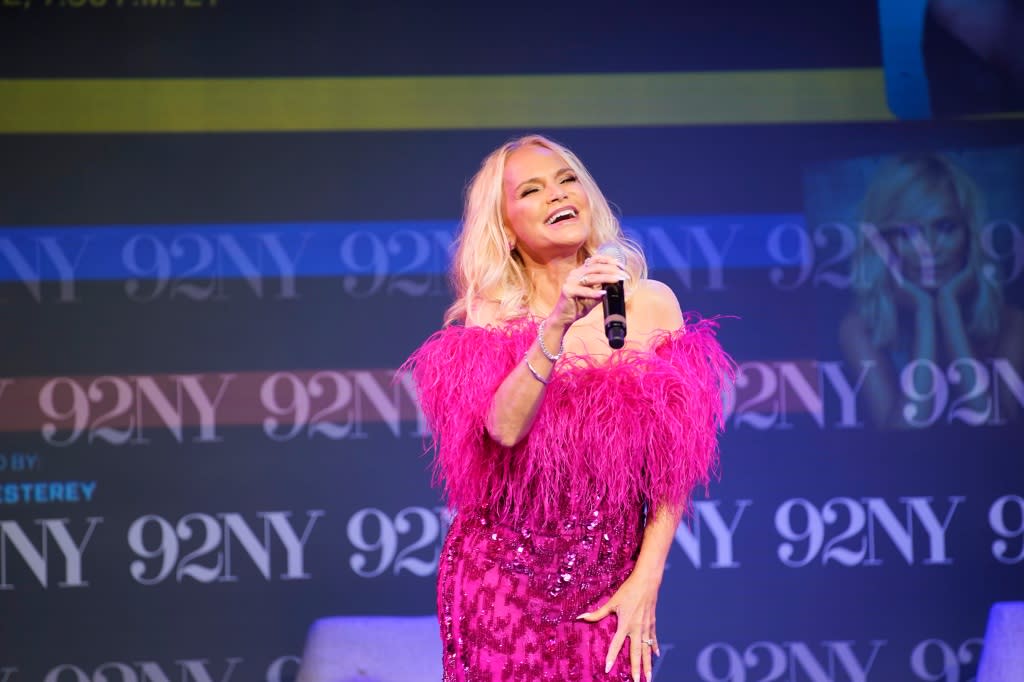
{"points": [[538, 180]]}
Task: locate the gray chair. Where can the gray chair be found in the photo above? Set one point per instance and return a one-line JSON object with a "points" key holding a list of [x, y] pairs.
{"points": [[372, 649]]}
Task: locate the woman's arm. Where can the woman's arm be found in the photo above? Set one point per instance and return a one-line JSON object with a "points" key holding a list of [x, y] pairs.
{"points": [[634, 603], [882, 383], [519, 396]]}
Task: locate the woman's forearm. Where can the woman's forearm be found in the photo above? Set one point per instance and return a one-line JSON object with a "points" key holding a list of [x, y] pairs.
{"points": [[519, 396], [657, 541], [923, 349], [958, 347], [951, 324]]}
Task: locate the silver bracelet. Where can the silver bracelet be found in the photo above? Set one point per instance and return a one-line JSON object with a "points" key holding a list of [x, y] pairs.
{"points": [[535, 373], [543, 349]]}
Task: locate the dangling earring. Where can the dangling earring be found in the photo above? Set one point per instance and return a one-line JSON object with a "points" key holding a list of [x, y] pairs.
{"points": [[511, 245]]}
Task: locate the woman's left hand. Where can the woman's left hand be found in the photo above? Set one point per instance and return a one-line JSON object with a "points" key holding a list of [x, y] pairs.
{"points": [[634, 605], [961, 285]]}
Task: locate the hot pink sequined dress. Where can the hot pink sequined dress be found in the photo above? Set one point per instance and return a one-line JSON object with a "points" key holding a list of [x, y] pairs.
{"points": [[550, 528]]}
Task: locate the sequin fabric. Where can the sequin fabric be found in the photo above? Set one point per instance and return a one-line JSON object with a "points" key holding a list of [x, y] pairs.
{"points": [[509, 595], [549, 528]]}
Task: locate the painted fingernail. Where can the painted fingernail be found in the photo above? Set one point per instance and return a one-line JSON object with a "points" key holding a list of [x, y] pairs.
{"points": [[607, 667], [581, 616]]}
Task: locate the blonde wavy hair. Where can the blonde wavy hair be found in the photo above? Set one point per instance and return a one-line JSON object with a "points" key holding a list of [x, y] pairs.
{"points": [[905, 186], [484, 268]]}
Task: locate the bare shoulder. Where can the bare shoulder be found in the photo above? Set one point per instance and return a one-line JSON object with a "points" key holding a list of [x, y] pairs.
{"points": [[855, 338], [852, 325], [655, 305]]}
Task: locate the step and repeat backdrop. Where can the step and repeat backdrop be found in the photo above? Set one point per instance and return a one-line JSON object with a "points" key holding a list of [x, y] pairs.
{"points": [[224, 225]]}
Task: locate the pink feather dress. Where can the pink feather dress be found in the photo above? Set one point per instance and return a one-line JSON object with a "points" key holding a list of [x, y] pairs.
{"points": [[550, 528]]}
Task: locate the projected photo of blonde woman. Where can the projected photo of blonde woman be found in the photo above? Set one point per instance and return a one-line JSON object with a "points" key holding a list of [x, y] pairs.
{"points": [[929, 311]]}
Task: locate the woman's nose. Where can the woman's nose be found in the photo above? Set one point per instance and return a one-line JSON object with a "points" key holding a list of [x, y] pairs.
{"points": [[923, 234], [556, 193], [932, 235]]}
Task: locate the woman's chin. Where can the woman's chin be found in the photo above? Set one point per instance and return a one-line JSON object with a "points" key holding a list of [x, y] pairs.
{"points": [[936, 279]]}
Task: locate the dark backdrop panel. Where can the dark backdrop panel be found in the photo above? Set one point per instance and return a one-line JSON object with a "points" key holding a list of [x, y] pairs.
{"points": [[204, 445]]}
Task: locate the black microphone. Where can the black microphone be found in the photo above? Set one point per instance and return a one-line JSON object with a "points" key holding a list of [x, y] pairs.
{"points": [[614, 300]]}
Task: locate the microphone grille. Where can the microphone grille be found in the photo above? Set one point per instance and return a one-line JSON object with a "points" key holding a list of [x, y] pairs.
{"points": [[613, 250]]}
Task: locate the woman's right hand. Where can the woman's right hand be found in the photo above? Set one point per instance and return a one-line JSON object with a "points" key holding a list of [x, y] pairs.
{"points": [[908, 294], [583, 289]]}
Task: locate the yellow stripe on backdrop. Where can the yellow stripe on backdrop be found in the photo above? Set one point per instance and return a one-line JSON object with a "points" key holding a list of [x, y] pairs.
{"points": [[170, 105]]}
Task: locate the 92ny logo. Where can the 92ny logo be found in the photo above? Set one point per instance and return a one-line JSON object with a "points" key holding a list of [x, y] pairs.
{"points": [[280, 669], [197, 547]]}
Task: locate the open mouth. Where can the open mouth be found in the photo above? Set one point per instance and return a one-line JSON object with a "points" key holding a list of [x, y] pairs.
{"points": [[561, 215]]}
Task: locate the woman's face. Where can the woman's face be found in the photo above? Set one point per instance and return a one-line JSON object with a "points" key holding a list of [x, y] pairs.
{"points": [[545, 206], [931, 246]]}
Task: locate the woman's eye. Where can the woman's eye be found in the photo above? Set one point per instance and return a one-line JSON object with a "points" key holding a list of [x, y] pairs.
{"points": [[900, 234], [568, 178], [910, 230], [527, 191]]}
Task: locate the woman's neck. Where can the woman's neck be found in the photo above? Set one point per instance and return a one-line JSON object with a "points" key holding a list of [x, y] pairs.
{"points": [[547, 279]]}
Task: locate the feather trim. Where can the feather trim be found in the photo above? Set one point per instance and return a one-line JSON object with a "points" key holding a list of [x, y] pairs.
{"points": [[642, 426]]}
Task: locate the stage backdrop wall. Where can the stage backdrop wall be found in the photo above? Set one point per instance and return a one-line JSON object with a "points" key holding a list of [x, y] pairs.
{"points": [[225, 225]]}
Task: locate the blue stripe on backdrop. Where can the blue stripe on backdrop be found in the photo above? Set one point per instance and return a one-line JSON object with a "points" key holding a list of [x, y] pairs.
{"points": [[253, 250]]}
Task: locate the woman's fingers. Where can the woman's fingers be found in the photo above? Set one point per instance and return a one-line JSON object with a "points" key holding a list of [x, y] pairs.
{"points": [[597, 614], [584, 289], [600, 258], [636, 656], [616, 646], [613, 269], [647, 652], [642, 647], [620, 632], [593, 276], [641, 655], [584, 286]]}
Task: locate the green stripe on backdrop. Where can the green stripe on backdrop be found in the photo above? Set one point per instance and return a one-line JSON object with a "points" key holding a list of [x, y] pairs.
{"points": [[440, 102]]}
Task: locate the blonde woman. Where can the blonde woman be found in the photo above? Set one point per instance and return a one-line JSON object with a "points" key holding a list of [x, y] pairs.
{"points": [[925, 290], [568, 464]]}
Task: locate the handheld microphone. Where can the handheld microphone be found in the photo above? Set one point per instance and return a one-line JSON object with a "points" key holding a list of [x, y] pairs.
{"points": [[614, 300]]}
